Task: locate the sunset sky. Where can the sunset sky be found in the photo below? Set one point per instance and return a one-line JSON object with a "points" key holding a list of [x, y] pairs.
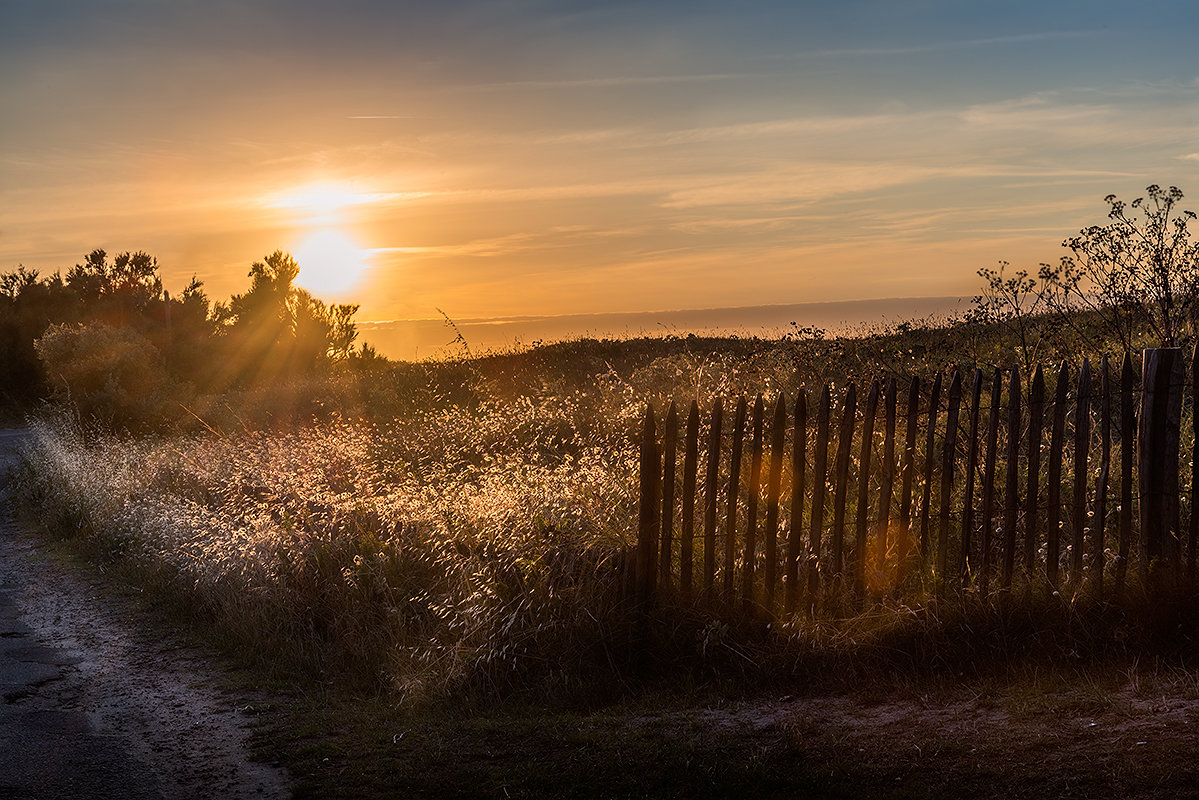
{"points": [[513, 158]]}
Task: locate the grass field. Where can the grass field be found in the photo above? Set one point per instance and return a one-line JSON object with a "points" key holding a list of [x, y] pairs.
{"points": [[451, 535]]}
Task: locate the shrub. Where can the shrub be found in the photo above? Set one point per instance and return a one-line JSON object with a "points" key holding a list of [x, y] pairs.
{"points": [[112, 375]]}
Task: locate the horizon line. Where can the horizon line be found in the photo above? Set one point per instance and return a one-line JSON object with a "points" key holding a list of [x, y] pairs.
{"points": [[532, 317]]}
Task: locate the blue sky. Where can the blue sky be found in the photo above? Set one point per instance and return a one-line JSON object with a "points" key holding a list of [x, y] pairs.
{"points": [[507, 158]]}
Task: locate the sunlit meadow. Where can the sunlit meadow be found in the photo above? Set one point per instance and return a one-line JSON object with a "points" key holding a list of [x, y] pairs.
{"points": [[469, 536], [462, 528], [449, 548]]}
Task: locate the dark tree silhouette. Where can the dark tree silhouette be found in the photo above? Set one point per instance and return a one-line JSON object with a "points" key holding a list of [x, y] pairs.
{"points": [[273, 332]]}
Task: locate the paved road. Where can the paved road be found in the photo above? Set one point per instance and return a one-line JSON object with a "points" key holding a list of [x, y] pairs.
{"points": [[91, 706], [49, 748]]}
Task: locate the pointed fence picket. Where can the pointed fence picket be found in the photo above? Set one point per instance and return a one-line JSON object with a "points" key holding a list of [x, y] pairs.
{"points": [[895, 528]]}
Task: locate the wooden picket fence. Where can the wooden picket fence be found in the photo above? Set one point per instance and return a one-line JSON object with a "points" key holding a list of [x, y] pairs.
{"points": [[1065, 480]]}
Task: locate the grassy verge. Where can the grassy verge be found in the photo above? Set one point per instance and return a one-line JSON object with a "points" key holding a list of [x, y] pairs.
{"points": [[354, 749], [1096, 732]]}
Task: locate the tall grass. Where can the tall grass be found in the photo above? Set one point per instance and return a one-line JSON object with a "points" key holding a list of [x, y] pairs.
{"points": [[426, 557], [465, 531]]}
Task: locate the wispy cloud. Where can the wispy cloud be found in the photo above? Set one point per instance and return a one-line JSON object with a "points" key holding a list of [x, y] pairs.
{"points": [[952, 44], [619, 81], [554, 237]]}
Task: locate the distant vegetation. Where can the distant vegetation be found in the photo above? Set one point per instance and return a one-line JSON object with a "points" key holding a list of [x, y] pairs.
{"points": [[105, 338], [109, 341]]}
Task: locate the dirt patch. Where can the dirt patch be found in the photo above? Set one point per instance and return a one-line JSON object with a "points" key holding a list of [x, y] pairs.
{"points": [[159, 697], [1019, 740], [156, 697]]}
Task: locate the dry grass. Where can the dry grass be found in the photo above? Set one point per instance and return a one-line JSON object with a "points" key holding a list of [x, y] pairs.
{"points": [[425, 564], [475, 553], [469, 540]]}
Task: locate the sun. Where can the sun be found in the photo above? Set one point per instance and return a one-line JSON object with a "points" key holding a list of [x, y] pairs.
{"points": [[331, 264]]}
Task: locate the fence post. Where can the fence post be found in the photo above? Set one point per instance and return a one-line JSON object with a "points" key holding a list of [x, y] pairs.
{"points": [[648, 520], [1011, 495], [773, 489], [1162, 375], [1036, 414], [690, 468], [1057, 445], [1127, 445], [1082, 444], [799, 446], [670, 431]]}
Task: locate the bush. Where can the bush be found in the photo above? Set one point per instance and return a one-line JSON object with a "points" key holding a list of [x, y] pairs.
{"points": [[111, 375]]}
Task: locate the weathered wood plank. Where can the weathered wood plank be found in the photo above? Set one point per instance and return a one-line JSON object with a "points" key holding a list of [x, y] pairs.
{"points": [[988, 506], [670, 433], [965, 566], [711, 500], [1162, 378], [1127, 457], [819, 481], [1193, 521], [1036, 416], [907, 471], [1054, 501], [841, 486], [648, 517], [926, 499], [732, 499], [948, 457], [749, 555], [773, 489], [1105, 463], [887, 476], [799, 445], [1011, 494], [1082, 448], [861, 523], [690, 470]]}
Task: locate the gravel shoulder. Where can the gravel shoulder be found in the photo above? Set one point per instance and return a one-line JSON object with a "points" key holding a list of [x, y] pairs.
{"points": [[96, 703]]}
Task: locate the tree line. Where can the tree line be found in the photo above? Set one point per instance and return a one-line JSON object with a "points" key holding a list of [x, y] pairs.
{"points": [[106, 336]]}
